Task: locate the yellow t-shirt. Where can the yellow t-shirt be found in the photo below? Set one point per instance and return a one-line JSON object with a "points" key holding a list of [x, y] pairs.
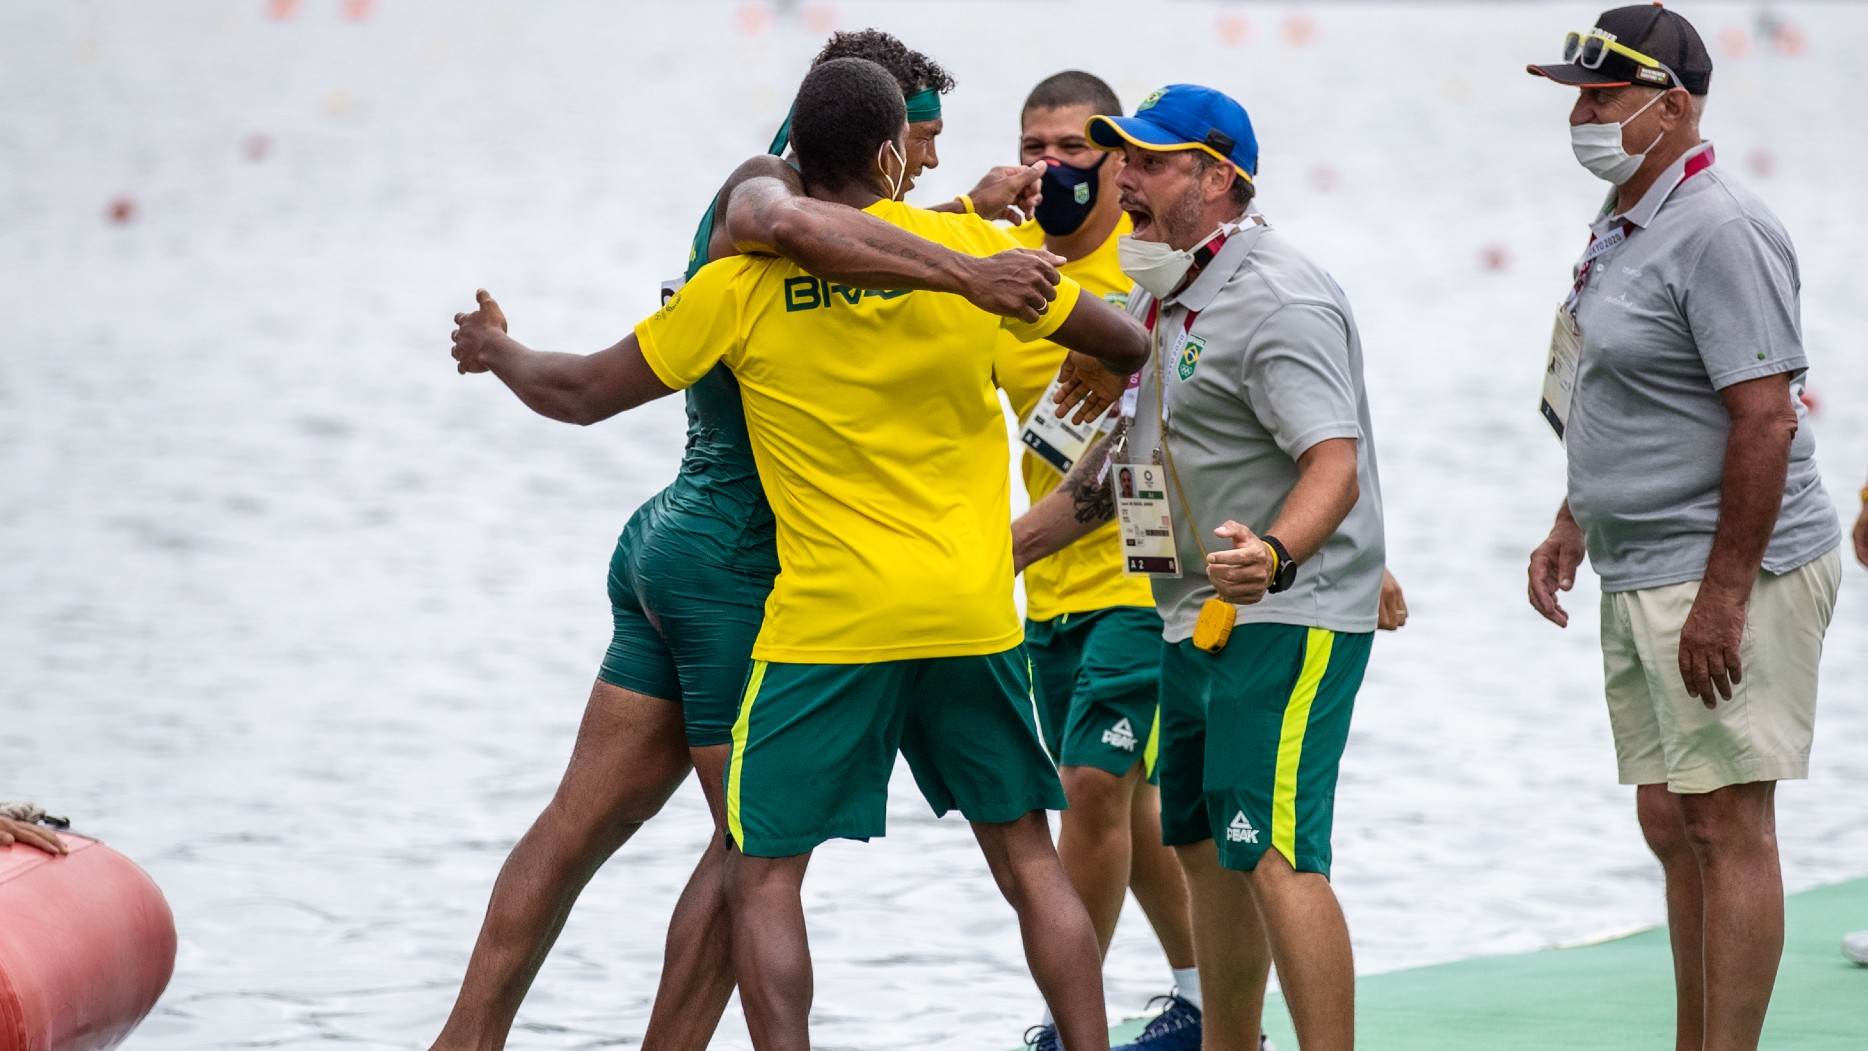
{"points": [[880, 444], [1088, 574]]}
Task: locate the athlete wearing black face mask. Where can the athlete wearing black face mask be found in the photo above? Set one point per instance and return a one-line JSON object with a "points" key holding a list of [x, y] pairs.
{"points": [[1068, 195]]}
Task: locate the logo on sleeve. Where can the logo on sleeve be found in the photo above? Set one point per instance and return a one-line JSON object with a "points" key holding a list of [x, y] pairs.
{"points": [[1241, 830], [1190, 355]]}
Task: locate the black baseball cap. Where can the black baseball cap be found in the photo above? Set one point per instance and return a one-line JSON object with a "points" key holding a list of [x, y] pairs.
{"points": [[1650, 29]]}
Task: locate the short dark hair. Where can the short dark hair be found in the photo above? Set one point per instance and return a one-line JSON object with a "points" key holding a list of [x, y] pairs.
{"points": [[1242, 189], [1073, 87], [913, 71], [845, 110]]}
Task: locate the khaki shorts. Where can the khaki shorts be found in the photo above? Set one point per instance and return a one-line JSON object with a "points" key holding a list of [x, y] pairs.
{"points": [[1665, 735]]}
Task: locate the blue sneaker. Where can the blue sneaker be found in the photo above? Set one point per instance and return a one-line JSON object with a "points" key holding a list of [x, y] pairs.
{"points": [[1176, 1028], [1043, 1038]]}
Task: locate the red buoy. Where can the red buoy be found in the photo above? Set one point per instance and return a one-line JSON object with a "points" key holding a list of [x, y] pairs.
{"points": [[86, 947], [121, 210]]}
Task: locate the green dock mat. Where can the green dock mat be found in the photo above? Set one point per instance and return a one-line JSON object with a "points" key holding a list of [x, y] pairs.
{"points": [[1609, 996]]}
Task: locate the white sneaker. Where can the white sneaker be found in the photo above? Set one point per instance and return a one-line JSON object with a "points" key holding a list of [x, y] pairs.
{"points": [[1855, 947]]}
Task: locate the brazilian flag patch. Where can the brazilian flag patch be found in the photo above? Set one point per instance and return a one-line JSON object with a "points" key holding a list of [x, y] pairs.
{"points": [[1190, 355]]}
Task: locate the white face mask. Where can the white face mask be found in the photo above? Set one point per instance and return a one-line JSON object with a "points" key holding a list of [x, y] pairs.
{"points": [[1156, 267], [1598, 147], [901, 170]]}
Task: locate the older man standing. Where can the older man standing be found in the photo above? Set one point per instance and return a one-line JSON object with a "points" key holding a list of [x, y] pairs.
{"points": [[1251, 417], [1693, 488]]}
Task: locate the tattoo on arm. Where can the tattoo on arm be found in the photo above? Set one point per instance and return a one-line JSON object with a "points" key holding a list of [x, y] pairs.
{"points": [[1091, 498], [908, 251]]}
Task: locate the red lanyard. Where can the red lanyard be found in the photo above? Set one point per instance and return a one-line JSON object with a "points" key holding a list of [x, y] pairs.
{"points": [[1693, 167]]}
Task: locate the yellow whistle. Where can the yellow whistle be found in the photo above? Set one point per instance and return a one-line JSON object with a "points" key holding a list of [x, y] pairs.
{"points": [[1214, 628]]}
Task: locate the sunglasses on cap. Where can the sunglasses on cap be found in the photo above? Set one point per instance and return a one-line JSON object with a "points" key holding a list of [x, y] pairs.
{"points": [[1590, 50]]}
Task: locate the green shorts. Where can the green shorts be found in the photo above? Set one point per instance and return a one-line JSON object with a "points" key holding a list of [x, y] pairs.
{"points": [[1251, 738], [683, 628], [814, 746], [1098, 679]]}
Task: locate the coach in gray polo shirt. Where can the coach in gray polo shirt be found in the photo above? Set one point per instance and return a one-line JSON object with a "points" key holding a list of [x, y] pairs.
{"points": [[1693, 488], [1252, 415]]}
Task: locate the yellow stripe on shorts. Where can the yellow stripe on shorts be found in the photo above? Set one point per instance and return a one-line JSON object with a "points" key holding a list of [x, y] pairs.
{"points": [[1317, 646], [741, 726], [1151, 752]]}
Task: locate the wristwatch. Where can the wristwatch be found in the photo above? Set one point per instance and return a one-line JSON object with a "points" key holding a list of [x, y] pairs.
{"points": [[1284, 569]]}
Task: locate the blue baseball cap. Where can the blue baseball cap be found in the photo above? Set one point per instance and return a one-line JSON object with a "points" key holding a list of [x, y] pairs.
{"points": [[1184, 117]]}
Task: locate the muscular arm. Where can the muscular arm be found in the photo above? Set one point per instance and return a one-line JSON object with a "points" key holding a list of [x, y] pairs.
{"points": [[1326, 491], [1080, 503], [1757, 457], [766, 211], [1100, 331], [573, 388], [769, 214]]}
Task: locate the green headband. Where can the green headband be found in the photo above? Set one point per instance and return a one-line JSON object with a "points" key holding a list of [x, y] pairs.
{"points": [[923, 105]]}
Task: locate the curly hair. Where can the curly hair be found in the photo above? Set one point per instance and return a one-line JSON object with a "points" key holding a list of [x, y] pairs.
{"points": [[912, 70]]}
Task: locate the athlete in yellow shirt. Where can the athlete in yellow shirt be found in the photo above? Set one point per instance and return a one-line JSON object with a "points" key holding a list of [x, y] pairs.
{"points": [[1091, 629], [878, 438]]}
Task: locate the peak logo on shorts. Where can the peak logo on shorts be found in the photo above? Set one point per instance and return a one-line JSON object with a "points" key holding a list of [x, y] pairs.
{"points": [[1241, 830], [811, 293], [1121, 735], [1190, 355]]}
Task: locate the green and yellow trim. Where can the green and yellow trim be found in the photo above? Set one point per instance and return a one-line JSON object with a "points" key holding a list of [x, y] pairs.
{"points": [[1318, 645], [742, 727], [1152, 750]]}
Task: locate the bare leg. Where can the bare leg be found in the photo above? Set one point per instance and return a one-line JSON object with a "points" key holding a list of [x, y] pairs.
{"points": [[1310, 943], [1060, 942], [1229, 943], [697, 963], [629, 758], [1155, 877], [770, 948], [1733, 832], [1663, 825], [1093, 843]]}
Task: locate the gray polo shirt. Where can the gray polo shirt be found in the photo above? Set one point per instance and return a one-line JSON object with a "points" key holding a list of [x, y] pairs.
{"points": [[1272, 366], [1702, 295]]}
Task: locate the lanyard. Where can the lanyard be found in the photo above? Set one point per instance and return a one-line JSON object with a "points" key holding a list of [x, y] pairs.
{"points": [[1599, 246], [1161, 416]]}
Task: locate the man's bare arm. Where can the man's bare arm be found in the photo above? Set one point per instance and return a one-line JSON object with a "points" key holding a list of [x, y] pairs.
{"points": [[1080, 503], [1326, 491], [572, 388], [1100, 331], [1751, 493], [766, 212]]}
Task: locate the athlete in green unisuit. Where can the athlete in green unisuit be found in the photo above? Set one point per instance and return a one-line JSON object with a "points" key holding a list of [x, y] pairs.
{"points": [[688, 583]]}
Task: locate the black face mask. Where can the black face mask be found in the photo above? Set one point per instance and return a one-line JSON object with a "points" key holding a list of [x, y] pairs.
{"points": [[1069, 196]]}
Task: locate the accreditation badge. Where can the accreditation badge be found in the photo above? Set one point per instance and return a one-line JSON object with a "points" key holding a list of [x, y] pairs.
{"points": [[1146, 523], [1566, 355]]}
